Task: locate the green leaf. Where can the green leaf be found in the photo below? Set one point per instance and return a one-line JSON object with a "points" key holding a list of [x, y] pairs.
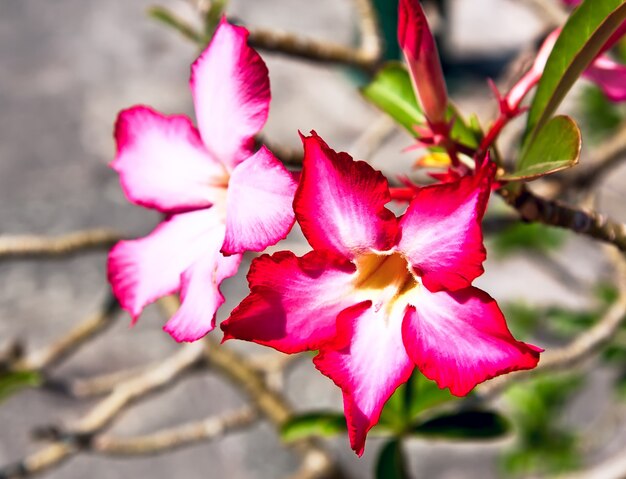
{"points": [[582, 38], [13, 382], [391, 462], [464, 425], [391, 91], [318, 424], [555, 148]]}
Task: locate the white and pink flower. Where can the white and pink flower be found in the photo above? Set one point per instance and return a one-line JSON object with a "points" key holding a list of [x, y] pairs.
{"points": [[221, 198]]}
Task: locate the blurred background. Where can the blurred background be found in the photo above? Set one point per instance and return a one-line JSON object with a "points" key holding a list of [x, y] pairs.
{"points": [[67, 67]]}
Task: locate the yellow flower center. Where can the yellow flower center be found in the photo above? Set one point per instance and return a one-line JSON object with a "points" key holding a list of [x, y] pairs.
{"points": [[387, 280]]}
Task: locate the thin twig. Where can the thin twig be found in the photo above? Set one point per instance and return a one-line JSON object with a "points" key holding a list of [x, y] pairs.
{"points": [[31, 246], [174, 438], [317, 462], [606, 156], [63, 347], [581, 348], [69, 442], [102, 384], [367, 56]]}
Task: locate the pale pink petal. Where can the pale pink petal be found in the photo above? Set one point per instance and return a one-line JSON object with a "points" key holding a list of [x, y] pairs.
{"points": [[141, 271], [340, 203], [441, 231], [294, 302], [460, 339], [231, 93], [368, 362], [200, 294], [609, 76], [162, 163], [259, 209]]}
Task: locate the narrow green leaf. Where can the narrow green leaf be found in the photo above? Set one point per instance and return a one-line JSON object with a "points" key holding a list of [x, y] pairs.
{"points": [[464, 425], [556, 147], [391, 91], [318, 424], [582, 38], [391, 462], [13, 382]]}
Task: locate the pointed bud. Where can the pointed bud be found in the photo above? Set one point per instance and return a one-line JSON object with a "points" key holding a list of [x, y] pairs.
{"points": [[420, 52]]}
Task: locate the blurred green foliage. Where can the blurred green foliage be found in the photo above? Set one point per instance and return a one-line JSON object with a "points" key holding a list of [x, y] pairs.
{"points": [[520, 237], [15, 381], [544, 445], [313, 423], [391, 463]]}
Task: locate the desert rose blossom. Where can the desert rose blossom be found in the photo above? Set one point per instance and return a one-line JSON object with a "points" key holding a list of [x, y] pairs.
{"points": [[380, 295], [220, 197]]}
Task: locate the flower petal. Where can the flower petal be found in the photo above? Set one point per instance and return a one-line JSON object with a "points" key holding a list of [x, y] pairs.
{"points": [[460, 339], [441, 231], [294, 302], [368, 362], [259, 209], [340, 203], [609, 76], [141, 271], [231, 92], [162, 163], [200, 294]]}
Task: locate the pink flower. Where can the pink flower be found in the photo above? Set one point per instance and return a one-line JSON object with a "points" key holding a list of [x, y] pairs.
{"points": [[220, 197], [380, 295]]}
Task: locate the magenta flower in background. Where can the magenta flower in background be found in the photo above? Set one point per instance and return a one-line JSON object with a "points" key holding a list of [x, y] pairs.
{"points": [[607, 74], [380, 295], [220, 197]]}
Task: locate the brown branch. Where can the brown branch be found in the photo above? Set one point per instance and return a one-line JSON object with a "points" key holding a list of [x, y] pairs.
{"points": [[555, 213], [102, 384], [581, 348], [71, 441], [367, 56], [31, 246], [174, 438]]}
